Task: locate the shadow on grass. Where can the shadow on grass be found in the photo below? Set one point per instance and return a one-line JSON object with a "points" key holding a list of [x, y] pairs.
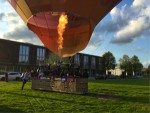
{"points": [[6, 109], [144, 100], [138, 99], [48, 98], [111, 96]]}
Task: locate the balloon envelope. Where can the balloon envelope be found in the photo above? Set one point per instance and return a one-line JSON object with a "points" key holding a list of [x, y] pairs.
{"points": [[41, 16]]}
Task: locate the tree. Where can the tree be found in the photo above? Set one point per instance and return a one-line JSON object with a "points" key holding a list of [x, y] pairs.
{"points": [[136, 65], [54, 59], [148, 68], [125, 64], [60, 65], [147, 71], [51, 59], [108, 61]]}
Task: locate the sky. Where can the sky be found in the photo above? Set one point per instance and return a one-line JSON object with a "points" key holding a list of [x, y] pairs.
{"points": [[125, 30]]}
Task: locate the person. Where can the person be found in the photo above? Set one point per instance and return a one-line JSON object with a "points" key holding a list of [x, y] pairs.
{"points": [[78, 72], [46, 70], [25, 78], [85, 74], [6, 77]]}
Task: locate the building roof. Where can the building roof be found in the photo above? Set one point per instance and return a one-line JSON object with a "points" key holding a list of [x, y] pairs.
{"points": [[27, 43]]}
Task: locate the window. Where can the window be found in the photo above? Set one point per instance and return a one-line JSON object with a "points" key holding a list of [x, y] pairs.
{"points": [[86, 62], [40, 55], [77, 59], [93, 63], [24, 54]]}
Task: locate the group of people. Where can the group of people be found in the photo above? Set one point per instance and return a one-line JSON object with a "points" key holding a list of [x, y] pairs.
{"points": [[68, 70], [60, 71]]}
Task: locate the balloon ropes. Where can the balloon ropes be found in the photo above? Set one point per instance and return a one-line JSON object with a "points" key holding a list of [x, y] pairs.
{"points": [[64, 26]]}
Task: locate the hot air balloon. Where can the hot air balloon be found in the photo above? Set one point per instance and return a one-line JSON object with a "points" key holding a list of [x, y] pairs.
{"points": [[43, 17]]}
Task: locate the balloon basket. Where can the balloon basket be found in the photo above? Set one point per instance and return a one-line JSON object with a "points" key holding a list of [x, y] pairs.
{"points": [[66, 85]]}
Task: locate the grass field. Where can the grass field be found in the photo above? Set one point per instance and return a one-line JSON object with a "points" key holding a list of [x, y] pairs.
{"points": [[105, 96]]}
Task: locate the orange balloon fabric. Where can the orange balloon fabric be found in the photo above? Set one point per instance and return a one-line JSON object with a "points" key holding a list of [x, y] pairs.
{"points": [[41, 16]]}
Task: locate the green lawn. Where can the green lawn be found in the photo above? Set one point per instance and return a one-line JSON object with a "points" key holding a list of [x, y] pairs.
{"points": [[105, 96]]}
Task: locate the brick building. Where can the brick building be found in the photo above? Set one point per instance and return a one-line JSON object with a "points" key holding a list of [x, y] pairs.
{"points": [[16, 56]]}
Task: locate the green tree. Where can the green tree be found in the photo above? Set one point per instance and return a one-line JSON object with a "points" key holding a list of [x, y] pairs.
{"points": [[51, 59], [148, 70], [125, 64], [108, 61], [136, 64]]}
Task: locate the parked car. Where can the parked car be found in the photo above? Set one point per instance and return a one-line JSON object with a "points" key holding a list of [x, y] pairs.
{"points": [[137, 76], [11, 76], [114, 77], [2, 74]]}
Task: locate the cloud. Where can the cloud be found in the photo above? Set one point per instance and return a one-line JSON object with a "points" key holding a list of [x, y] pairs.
{"points": [[96, 40], [22, 34], [12, 18], [146, 63], [137, 24], [9, 17], [139, 3], [17, 29], [135, 29], [1, 16], [136, 49], [109, 26], [19, 32], [127, 23], [117, 22]]}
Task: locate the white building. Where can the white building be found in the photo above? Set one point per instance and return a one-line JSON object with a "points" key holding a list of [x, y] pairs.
{"points": [[117, 71]]}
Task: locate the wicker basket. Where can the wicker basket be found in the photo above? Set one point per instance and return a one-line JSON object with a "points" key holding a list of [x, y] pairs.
{"points": [[78, 85]]}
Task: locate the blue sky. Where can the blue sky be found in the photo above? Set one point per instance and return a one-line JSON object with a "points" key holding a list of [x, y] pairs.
{"points": [[125, 30]]}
